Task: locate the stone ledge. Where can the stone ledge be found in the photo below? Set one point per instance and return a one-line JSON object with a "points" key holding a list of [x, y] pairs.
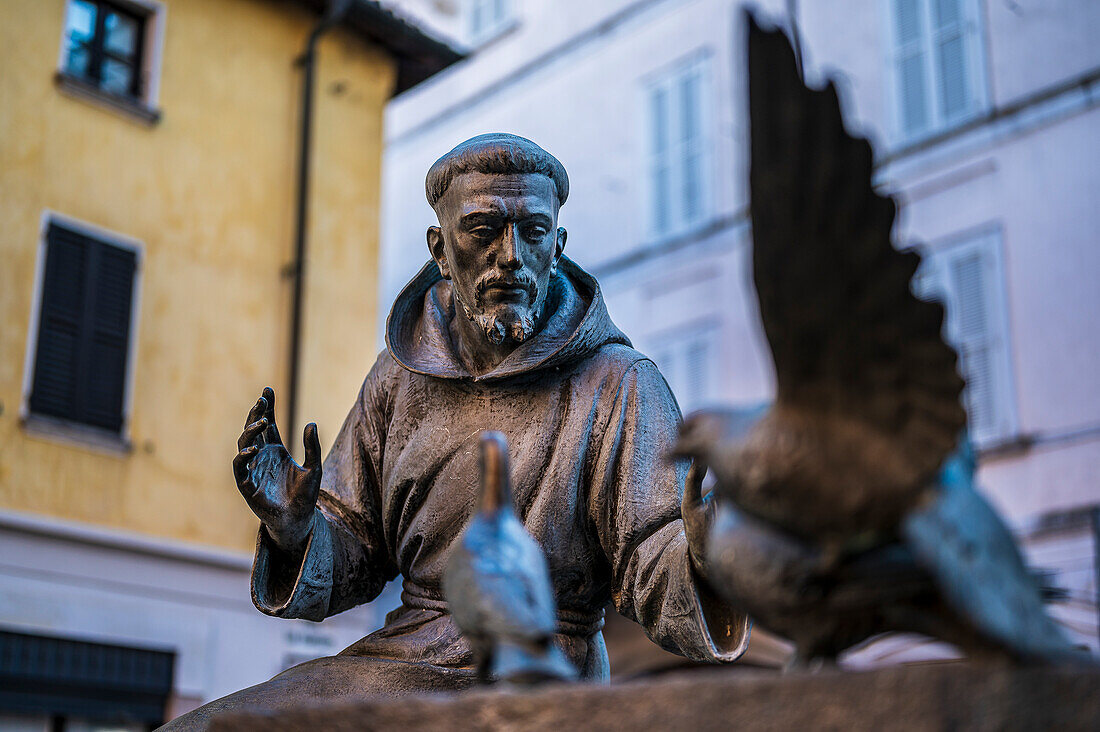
{"points": [[929, 697]]}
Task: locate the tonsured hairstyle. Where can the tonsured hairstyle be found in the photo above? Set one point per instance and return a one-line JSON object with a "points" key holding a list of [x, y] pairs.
{"points": [[495, 153]]}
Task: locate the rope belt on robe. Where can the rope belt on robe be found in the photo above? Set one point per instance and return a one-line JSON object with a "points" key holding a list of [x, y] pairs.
{"points": [[572, 622]]}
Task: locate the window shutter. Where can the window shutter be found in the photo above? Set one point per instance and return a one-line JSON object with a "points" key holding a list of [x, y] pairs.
{"points": [[974, 337], [967, 279], [911, 66], [661, 172], [476, 18], [691, 135], [84, 330], [59, 324], [677, 149], [935, 55], [951, 61], [109, 337]]}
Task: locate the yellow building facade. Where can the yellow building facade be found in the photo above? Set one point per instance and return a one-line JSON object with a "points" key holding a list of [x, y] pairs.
{"points": [[149, 179], [206, 193]]}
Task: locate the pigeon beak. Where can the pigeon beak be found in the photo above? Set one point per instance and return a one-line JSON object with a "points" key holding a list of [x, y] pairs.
{"points": [[677, 452], [496, 488], [686, 445]]}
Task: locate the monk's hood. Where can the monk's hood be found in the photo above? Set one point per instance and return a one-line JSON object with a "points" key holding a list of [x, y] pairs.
{"points": [[419, 338]]}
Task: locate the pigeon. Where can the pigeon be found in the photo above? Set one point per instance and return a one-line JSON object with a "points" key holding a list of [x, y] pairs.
{"points": [[847, 508], [497, 586], [789, 586]]}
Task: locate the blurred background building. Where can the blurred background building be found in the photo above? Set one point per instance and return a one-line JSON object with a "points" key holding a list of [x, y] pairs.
{"points": [[148, 189], [985, 118]]}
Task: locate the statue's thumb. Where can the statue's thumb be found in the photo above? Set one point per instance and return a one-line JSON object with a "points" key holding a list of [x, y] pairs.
{"points": [[693, 486], [313, 447]]}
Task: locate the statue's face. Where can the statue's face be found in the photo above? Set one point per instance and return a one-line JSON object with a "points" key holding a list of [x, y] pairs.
{"points": [[499, 244]]}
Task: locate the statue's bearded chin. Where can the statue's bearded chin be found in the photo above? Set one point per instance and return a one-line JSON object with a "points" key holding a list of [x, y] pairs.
{"points": [[514, 324]]}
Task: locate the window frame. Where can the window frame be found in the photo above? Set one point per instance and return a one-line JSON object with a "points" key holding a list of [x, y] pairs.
{"points": [[477, 37], [143, 105], [57, 428], [973, 38], [989, 243], [679, 340], [668, 78]]}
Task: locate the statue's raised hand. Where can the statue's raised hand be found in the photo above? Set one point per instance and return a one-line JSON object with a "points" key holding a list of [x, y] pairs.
{"points": [[280, 492]]}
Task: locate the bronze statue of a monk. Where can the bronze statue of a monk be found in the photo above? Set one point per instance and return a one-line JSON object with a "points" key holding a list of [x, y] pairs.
{"points": [[498, 331]]}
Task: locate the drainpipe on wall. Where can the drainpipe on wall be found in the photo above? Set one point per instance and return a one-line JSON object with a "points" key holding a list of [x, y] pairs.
{"points": [[307, 61]]}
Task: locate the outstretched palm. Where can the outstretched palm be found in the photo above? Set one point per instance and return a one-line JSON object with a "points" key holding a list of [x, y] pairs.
{"points": [[280, 492]]}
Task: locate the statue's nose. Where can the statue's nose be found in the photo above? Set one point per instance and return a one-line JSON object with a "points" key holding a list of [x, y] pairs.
{"points": [[509, 249]]}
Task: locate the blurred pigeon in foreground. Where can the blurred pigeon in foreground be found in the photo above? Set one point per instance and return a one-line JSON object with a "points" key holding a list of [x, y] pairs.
{"points": [[497, 585], [976, 594], [834, 519]]}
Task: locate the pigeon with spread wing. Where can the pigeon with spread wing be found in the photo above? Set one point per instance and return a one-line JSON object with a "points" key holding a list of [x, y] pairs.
{"points": [[835, 521]]}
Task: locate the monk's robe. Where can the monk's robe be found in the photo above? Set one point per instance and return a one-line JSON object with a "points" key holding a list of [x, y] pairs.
{"points": [[589, 421]]}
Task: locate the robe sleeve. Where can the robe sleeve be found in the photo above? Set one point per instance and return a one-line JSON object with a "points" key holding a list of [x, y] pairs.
{"points": [[346, 560], [635, 506]]}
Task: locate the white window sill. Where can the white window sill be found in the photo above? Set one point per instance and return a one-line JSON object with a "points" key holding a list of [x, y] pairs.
{"points": [[78, 88], [907, 144], [77, 435], [492, 37]]}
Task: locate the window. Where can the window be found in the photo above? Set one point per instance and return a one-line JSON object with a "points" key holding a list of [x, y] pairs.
{"points": [[677, 150], [487, 19], [81, 346], [104, 45], [968, 277], [686, 363], [110, 52], [937, 65], [81, 685]]}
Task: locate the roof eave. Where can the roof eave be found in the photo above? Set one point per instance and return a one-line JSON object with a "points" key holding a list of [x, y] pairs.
{"points": [[418, 55]]}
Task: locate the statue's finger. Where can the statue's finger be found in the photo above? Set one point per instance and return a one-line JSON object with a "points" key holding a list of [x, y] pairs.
{"points": [[313, 447], [271, 434], [240, 469], [693, 486], [256, 412], [252, 434]]}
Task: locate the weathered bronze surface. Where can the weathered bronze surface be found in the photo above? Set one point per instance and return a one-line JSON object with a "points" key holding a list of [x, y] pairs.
{"points": [[930, 698], [838, 518], [498, 331]]}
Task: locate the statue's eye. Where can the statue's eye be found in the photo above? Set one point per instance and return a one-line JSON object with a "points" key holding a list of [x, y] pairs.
{"points": [[484, 232], [534, 231]]}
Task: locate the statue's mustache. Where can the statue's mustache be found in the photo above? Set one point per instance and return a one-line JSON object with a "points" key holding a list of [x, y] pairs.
{"points": [[520, 279]]}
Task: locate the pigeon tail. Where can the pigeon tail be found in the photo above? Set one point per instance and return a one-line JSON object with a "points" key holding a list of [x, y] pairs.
{"points": [[496, 487], [980, 571], [527, 665]]}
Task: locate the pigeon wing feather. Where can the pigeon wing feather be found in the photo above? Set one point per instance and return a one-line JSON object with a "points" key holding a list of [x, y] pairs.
{"points": [[848, 337]]}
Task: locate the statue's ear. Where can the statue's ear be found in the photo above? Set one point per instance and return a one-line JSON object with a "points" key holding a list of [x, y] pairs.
{"points": [[559, 248], [438, 252]]}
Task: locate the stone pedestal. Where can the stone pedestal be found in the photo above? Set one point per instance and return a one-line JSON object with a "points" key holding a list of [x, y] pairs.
{"points": [[932, 697]]}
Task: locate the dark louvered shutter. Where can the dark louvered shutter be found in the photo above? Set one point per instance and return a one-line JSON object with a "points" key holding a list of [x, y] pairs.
{"points": [[84, 330]]}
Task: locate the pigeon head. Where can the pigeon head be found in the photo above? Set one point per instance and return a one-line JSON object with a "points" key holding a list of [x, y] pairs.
{"points": [[706, 429], [496, 488]]}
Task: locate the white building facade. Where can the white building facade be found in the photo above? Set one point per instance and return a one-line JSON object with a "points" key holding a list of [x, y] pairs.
{"points": [[985, 117], [129, 596]]}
